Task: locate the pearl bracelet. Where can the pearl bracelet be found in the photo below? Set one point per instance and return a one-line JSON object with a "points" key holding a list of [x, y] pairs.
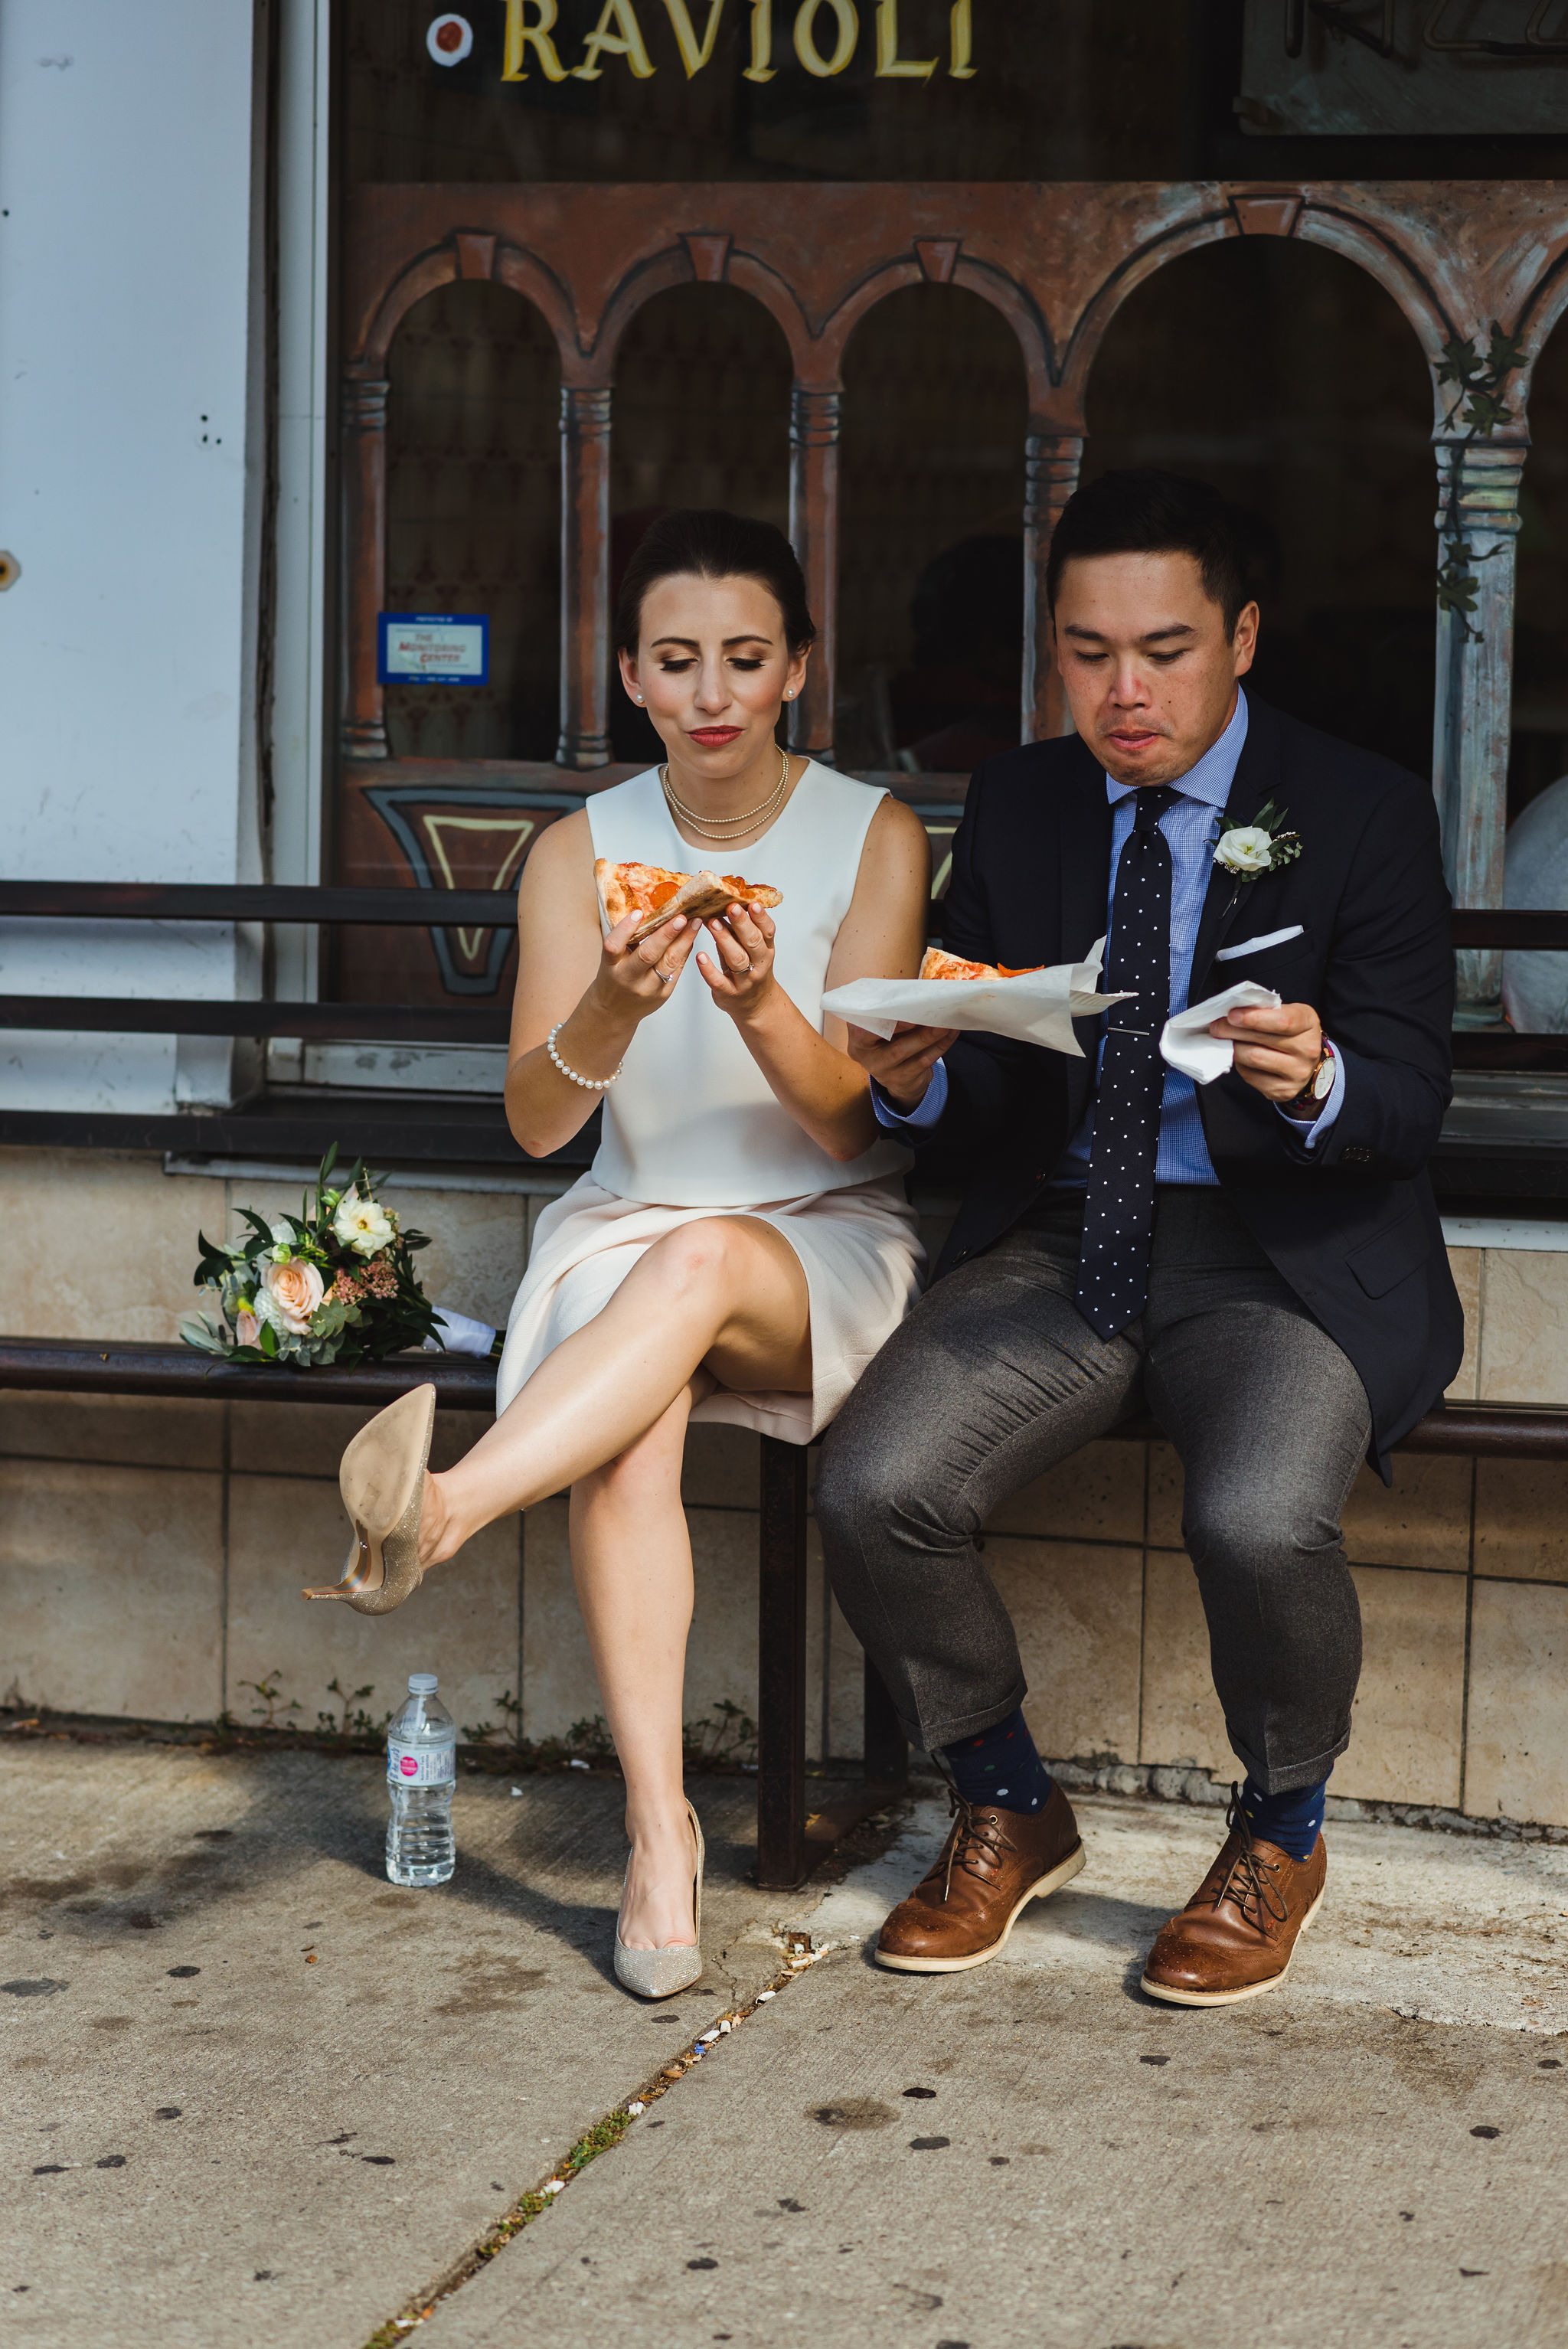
{"points": [[589, 1084]]}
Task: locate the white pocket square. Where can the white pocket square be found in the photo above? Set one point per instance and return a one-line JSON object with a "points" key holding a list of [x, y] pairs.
{"points": [[1256, 945]]}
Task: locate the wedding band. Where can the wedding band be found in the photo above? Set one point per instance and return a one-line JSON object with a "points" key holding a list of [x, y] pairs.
{"points": [[667, 977]]}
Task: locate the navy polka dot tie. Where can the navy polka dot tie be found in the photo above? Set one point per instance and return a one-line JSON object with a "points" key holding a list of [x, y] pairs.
{"points": [[1119, 1216]]}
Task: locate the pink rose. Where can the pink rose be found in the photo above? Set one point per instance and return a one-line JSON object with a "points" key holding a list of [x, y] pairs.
{"points": [[247, 1331], [296, 1290]]}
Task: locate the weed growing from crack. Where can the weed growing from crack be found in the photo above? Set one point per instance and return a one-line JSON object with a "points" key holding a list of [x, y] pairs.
{"points": [[602, 2137]]}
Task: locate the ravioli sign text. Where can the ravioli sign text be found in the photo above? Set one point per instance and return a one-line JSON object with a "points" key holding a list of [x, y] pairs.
{"points": [[825, 35]]}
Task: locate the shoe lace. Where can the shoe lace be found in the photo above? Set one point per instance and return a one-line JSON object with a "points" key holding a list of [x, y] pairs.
{"points": [[1249, 1880], [971, 1839]]}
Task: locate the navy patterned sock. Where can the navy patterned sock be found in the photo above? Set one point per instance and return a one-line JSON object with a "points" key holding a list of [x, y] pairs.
{"points": [[1293, 1821], [1000, 1766]]}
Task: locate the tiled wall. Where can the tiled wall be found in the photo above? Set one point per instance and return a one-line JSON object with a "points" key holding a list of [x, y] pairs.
{"points": [[150, 1554]]}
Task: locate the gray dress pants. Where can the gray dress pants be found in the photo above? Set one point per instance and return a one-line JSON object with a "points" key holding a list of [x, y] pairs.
{"points": [[996, 1376]]}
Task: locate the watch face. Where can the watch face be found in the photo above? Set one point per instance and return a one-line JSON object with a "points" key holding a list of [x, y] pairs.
{"points": [[1323, 1083]]}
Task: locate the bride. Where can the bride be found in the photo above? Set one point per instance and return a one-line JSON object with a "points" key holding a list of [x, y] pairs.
{"points": [[741, 1246]]}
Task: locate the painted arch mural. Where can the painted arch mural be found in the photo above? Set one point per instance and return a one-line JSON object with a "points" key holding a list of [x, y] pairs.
{"points": [[1056, 262]]}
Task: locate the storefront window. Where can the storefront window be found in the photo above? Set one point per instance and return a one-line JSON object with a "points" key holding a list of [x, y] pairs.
{"points": [[473, 472], [1289, 378], [931, 595], [769, 90], [897, 274]]}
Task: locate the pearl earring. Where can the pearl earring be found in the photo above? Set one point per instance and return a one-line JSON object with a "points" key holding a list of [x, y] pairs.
{"points": [[636, 696]]}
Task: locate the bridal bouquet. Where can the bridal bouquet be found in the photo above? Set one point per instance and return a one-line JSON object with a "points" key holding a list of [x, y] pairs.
{"points": [[334, 1284]]}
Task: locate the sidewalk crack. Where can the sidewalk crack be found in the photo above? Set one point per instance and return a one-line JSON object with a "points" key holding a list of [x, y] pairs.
{"points": [[602, 2137]]}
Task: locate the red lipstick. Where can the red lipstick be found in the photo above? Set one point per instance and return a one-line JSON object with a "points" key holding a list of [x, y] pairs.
{"points": [[715, 738]]}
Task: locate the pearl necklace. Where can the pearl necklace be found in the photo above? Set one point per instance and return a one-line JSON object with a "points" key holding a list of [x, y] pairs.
{"points": [[718, 828]]}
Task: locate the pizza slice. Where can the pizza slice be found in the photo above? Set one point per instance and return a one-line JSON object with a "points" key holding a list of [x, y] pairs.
{"points": [[938, 965], [654, 890]]}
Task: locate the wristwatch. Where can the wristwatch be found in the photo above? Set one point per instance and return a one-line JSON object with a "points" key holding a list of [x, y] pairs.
{"points": [[1318, 1088]]}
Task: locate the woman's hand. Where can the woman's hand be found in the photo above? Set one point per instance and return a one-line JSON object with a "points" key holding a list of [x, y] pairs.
{"points": [[633, 981], [740, 972]]}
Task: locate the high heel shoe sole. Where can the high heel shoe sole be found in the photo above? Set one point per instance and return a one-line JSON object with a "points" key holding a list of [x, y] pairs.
{"points": [[664, 1973], [382, 1481]]}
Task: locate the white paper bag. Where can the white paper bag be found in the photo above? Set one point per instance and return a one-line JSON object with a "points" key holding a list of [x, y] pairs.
{"points": [[1039, 1008], [1186, 1043]]}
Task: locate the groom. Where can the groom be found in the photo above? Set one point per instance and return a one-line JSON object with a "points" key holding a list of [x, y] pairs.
{"points": [[1259, 1263]]}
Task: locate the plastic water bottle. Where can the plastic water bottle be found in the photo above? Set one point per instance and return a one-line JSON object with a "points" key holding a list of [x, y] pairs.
{"points": [[421, 1769]]}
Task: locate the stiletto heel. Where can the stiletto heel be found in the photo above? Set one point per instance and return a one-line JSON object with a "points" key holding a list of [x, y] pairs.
{"points": [[382, 1481], [660, 1973]]}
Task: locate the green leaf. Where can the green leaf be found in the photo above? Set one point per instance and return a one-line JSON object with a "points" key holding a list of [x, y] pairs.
{"points": [[1486, 411], [1461, 363], [212, 1271], [199, 1333]]}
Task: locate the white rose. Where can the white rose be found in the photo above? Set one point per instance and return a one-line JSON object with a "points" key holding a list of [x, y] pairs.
{"points": [[361, 1226], [294, 1292], [1245, 848]]}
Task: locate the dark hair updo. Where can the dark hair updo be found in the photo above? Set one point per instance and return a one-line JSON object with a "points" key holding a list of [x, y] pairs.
{"points": [[715, 545]]}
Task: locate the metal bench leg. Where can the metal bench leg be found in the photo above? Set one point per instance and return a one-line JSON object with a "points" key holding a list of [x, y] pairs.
{"points": [[787, 1848], [886, 1746], [781, 1853]]}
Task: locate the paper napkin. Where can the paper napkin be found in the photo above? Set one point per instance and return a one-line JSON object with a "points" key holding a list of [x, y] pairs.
{"points": [[1186, 1043], [1039, 1008]]}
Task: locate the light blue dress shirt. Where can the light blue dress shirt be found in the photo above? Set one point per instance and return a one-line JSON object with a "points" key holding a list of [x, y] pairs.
{"points": [[1192, 827]]}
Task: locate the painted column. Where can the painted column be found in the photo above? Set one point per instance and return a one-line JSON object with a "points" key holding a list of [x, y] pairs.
{"points": [[364, 575], [585, 576], [814, 427], [1472, 713], [1051, 463]]}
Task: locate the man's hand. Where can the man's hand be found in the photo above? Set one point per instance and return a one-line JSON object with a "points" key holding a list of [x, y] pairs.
{"points": [[903, 1065], [1275, 1051]]}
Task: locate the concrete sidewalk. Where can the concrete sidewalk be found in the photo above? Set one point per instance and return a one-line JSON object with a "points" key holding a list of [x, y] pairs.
{"points": [[1034, 2153], [258, 2092], [268, 2148]]}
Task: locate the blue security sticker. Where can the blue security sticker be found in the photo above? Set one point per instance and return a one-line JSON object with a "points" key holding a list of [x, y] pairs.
{"points": [[434, 648]]}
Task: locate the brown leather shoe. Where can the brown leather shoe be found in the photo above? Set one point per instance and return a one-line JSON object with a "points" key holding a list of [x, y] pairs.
{"points": [[1237, 1935], [992, 1866]]}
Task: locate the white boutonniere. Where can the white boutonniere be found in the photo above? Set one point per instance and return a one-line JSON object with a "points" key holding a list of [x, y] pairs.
{"points": [[1248, 849]]}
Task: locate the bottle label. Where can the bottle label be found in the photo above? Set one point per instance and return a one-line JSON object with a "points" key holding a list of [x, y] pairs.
{"points": [[421, 1765]]}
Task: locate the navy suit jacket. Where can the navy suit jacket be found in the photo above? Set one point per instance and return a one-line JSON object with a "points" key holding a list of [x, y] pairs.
{"points": [[1352, 1226]]}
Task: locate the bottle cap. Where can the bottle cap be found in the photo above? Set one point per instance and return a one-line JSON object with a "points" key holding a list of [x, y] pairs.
{"points": [[421, 1683]]}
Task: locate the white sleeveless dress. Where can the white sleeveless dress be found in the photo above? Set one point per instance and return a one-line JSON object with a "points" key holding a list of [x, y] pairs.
{"points": [[692, 1128]]}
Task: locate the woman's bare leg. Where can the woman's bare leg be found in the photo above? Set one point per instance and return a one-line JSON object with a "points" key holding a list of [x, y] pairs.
{"points": [[631, 1560], [727, 1291]]}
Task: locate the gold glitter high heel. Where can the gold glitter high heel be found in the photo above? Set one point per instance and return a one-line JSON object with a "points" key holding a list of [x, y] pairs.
{"points": [[660, 1973]]}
